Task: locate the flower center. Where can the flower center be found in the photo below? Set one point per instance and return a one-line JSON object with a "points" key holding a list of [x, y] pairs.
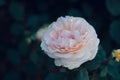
{"points": [[68, 40], [73, 50]]}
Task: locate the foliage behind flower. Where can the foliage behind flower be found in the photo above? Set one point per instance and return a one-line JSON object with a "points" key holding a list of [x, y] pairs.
{"points": [[71, 41]]}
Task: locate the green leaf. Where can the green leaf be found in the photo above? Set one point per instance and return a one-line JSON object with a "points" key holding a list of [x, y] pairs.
{"points": [[104, 71], [16, 29], [113, 70], [95, 63], [113, 7], [83, 74], [17, 10], [2, 2], [115, 30], [55, 76], [13, 56], [12, 75]]}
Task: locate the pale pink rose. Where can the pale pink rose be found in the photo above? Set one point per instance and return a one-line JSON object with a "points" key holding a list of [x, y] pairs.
{"points": [[40, 33], [71, 41]]}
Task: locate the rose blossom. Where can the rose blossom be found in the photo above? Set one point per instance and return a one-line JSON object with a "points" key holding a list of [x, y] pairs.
{"points": [[71, 41], [40, 33], [116, 54]]}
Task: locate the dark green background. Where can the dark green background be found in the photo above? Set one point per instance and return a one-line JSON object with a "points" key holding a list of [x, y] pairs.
{"points": [[19, 19]]}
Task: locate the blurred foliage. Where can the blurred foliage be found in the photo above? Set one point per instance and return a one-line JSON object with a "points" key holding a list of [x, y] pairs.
{"points": [[17, 29], [12, 75], [115, 30], [113, 70], [17, 10], [103, 72], [2, 2], [21, 57], [55, 76], [83, 74], [113, 7], [13, 56]]}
